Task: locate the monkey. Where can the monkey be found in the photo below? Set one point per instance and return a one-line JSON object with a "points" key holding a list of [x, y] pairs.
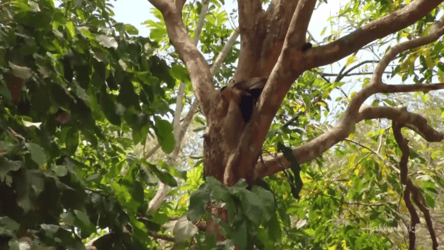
{"points": [[250, 92]]}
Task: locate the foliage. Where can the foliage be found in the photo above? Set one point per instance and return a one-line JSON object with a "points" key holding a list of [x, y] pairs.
{"points": [[80, 93], [78, 90]]}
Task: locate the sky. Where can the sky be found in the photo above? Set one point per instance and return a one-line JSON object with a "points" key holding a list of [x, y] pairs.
{"points": [[137, 11], [133, 12]]}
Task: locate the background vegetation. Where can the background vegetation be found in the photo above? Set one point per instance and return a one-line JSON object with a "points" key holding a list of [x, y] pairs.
{"points": [[85, 103]]}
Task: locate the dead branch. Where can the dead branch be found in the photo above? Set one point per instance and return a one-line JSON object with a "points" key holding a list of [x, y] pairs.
{"points": [[200, 23]]}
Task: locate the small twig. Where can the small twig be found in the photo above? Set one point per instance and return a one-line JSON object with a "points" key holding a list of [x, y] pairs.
{"points": [[161, 237]]}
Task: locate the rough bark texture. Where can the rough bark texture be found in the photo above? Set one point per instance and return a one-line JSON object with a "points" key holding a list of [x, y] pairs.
{"points": [[272, 43]]}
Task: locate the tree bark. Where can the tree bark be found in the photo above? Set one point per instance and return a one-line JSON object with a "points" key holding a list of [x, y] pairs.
{"points": [[272, 46]]}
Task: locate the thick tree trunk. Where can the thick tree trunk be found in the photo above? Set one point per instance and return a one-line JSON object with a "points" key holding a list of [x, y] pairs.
{"points": [[272, 46]]}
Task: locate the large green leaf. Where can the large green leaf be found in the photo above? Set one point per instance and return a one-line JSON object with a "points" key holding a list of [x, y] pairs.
{"points": [[198, 200], [165, 136], [109, 108], [38, 155]]}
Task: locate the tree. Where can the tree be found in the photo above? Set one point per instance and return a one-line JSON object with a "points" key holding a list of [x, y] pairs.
{"points": [[273, 45], [80, 90]]}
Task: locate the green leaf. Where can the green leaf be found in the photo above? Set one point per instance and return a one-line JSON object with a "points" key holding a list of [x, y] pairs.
{"points": [[294, 176], [165, 136], [59, 170], [87, 228], [180, 73], [6, 167], [274, 229], [131, 29], [252, 206], [158, 34], [198, 200], [240, 235], [37, 153], [4, 91], [71, 29], [160, 69], [127, 96], [430, 200], [6, 147], [109, 109], [72, 141], [8, 226], [68, 218], [268, 202], [164, 177]]}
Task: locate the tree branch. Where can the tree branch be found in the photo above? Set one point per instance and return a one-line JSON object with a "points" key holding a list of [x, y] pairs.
{"points": [[249, 11], [411, 120], [351, 43], [203, 14], [436, 32], [250, 147], [342, 73], [214, 69], [297, 30], [403, 88], [352, 115], [410, 188], [161, 193], [197, 65]]}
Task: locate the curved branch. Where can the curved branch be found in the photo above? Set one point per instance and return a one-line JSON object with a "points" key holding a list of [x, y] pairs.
{"points": [[411, 188], [403, 88], [316, 147], [249, 147], [384, 26], [297, 30], [342, 73], [163, 188], [436, 31], [197, 65], [189, 116], [352, 115], [411, 120], [179, 133], [214, 69]]}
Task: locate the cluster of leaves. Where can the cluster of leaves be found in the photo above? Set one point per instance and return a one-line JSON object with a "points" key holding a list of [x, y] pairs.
{"points": [[353, 197], [75, 87], [78, 90], [252, 218]]}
